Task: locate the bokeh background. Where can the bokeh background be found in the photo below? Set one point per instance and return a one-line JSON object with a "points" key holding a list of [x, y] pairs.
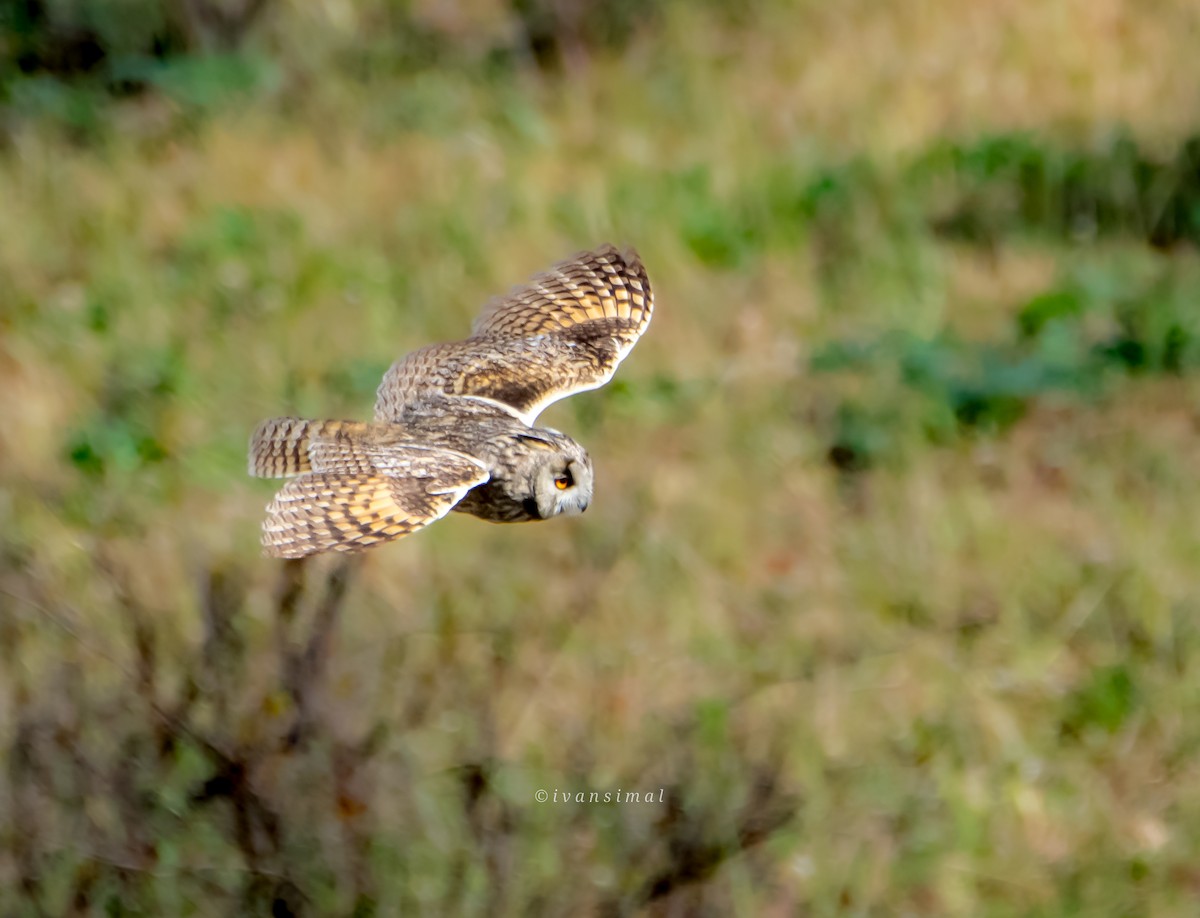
{"points": [[891, 586]]}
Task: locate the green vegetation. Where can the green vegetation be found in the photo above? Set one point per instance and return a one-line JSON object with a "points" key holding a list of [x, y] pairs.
{"points": [[891, 587]]}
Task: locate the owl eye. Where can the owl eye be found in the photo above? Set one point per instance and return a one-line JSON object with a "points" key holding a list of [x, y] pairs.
{"points": [[564, 481]]}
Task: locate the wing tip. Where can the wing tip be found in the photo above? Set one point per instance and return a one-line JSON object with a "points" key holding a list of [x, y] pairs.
{"points": [[277, 448], [628, 266], [627, 255], [618, 265], [634, 269]]}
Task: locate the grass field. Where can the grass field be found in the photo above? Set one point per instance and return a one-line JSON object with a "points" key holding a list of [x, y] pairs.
{"points": [[891, 585]]}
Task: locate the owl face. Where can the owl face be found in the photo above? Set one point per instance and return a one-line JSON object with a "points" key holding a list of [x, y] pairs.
{"points": [[558, 475]]}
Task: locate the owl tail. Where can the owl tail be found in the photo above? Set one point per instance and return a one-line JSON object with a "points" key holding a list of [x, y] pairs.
{"points": [[279, 448]]}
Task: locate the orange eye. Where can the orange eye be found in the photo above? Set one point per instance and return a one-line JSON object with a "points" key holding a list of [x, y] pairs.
{"points": [[562, 482]]}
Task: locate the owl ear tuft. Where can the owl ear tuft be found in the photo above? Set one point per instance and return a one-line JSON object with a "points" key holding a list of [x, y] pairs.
{"points": [[534, 440]]}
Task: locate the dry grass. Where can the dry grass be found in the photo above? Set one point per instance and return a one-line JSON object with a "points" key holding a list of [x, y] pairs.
{"points": [[956, 682]]}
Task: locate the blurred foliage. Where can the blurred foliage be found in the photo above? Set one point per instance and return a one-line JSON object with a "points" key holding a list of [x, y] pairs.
{"points": [[890, 586], [58, 57], [1014, 183], [1071, 339]]}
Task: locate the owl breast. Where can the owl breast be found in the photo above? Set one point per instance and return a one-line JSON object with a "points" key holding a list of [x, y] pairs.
{"points": [[492, 502]]}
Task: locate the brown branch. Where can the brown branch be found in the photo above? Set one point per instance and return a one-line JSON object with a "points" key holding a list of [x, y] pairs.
{"points": [[695, 859], [304, 672], [219, 26]]}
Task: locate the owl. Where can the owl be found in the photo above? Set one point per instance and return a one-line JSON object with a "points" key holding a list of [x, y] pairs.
{"points": [[454, 425]]}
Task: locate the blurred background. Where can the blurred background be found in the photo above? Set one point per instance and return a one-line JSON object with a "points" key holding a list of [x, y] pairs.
{"points": [[891, 586]]}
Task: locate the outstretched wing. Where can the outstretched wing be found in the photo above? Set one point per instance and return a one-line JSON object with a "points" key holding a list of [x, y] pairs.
{"points": [[286, 447], [563, 332], [590, 287], [348, 492]]}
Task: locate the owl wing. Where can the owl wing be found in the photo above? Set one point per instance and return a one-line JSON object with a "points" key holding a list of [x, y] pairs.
{"points": [[347, 494], [563, 332]]}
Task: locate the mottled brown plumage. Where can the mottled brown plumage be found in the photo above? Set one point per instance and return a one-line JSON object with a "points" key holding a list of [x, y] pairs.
{"points": [[453, 422], [564, 332]]}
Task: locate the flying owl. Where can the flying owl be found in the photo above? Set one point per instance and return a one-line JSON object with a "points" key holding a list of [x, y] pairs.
{"points": [[454, 423]]}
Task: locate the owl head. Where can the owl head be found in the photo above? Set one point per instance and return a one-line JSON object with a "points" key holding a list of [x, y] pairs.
{"points": [[555, 474]]}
